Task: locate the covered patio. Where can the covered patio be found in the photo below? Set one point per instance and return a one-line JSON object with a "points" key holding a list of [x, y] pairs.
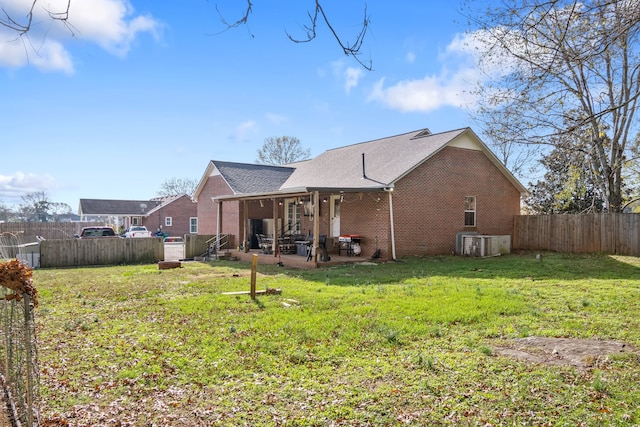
{"points": [[299, 228], [297, 261]]}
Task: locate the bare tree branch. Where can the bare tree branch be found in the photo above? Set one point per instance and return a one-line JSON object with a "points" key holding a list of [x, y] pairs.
{"points": [[349, 49], [23, 28], [352, 50], [13, 25], [572, 71], [240, 21]]}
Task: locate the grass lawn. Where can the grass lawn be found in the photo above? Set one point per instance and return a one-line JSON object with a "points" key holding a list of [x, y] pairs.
{"points": [[402, 343]]}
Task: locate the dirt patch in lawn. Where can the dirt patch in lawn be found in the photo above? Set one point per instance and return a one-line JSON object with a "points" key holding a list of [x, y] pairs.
{"points": [[580, 353]]}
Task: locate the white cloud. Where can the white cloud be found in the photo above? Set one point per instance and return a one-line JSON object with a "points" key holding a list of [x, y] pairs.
{"points": [[111, 24], [12, 187], [242, 130], [452, 85], [427, 94], [468, 47], [276, 118], [351, 77], [410, 57], [52, 56]]}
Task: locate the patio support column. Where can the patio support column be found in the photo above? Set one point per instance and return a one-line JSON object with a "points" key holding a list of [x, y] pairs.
{"points": [[218, 226], [316, 225], [245, 226], [274, 245]]}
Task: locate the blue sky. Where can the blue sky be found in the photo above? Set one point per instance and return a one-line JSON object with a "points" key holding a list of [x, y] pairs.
{"points": [[135, 93]]}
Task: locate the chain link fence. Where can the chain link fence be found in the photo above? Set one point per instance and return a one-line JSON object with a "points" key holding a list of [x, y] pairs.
{"points": [[18, 349]]}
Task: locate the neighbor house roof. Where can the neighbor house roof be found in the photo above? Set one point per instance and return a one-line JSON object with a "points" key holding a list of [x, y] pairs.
{"points": [[166, 200], [103, 207]]}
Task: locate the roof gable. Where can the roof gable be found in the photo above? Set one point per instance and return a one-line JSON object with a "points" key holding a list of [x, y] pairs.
{"points": [[167, 200], [253, 178], [246, 178]]}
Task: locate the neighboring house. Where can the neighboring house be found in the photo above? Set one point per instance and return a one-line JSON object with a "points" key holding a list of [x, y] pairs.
{"points": [[68, 217], [405, 195], [175, 215]]}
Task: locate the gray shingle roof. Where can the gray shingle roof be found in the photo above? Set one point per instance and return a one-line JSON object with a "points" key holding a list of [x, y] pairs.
{"points": [[116, 207], [370, 165], [246, 178], [385, 161], [165, 201]]}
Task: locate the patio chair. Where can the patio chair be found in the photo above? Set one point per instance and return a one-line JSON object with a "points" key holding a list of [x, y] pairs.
{"points": [[264, 243]]}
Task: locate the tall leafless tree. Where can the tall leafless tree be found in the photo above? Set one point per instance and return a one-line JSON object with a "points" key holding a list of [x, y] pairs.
{"points": [[176, 186], [564, 68], [282, 150]]}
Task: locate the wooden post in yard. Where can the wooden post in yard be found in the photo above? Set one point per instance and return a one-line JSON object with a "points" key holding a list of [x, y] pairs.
{"points": [[254, 266]]}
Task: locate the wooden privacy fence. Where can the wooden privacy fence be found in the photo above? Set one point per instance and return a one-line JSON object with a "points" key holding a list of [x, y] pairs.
{"points": [[52, 253], [100, 251], [195, 245], [616, 233], [48, 230]]}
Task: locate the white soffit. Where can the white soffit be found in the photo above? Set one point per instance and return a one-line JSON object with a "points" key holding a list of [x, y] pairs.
{"points": [[463, 141]]}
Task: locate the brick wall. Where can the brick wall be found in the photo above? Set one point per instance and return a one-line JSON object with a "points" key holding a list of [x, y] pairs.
{"points": [[208, 210], [428, 207], [429, 202], [257, 211], [180, 211], [367, 214]]}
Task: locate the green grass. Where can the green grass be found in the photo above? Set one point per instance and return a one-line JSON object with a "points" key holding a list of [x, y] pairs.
{"points": [[408, 342]]}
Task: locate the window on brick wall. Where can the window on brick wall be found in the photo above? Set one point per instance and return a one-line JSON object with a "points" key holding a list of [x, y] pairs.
{"points": [[168, 221], [193, 225], [470, 211]]}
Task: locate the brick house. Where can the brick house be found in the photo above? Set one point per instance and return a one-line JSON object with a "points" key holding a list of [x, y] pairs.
{"points": [[174, 215], [405, 195]]}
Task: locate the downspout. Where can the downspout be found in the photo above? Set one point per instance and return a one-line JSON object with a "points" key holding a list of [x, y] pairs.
{"points": [[364, 170], [389, 191]]}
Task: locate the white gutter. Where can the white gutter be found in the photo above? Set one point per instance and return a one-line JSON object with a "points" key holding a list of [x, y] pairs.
{"points": [[389, 191]]}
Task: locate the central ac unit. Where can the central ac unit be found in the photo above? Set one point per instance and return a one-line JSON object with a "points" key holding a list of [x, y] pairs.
{"points": [[483, 245]]}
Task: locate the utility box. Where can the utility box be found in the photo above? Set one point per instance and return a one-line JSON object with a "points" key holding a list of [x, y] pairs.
{"points": [[29, 254], [483, 245]]}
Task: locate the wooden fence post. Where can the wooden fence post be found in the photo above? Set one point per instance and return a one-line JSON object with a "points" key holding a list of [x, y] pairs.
{"points": [[254, 266]]}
